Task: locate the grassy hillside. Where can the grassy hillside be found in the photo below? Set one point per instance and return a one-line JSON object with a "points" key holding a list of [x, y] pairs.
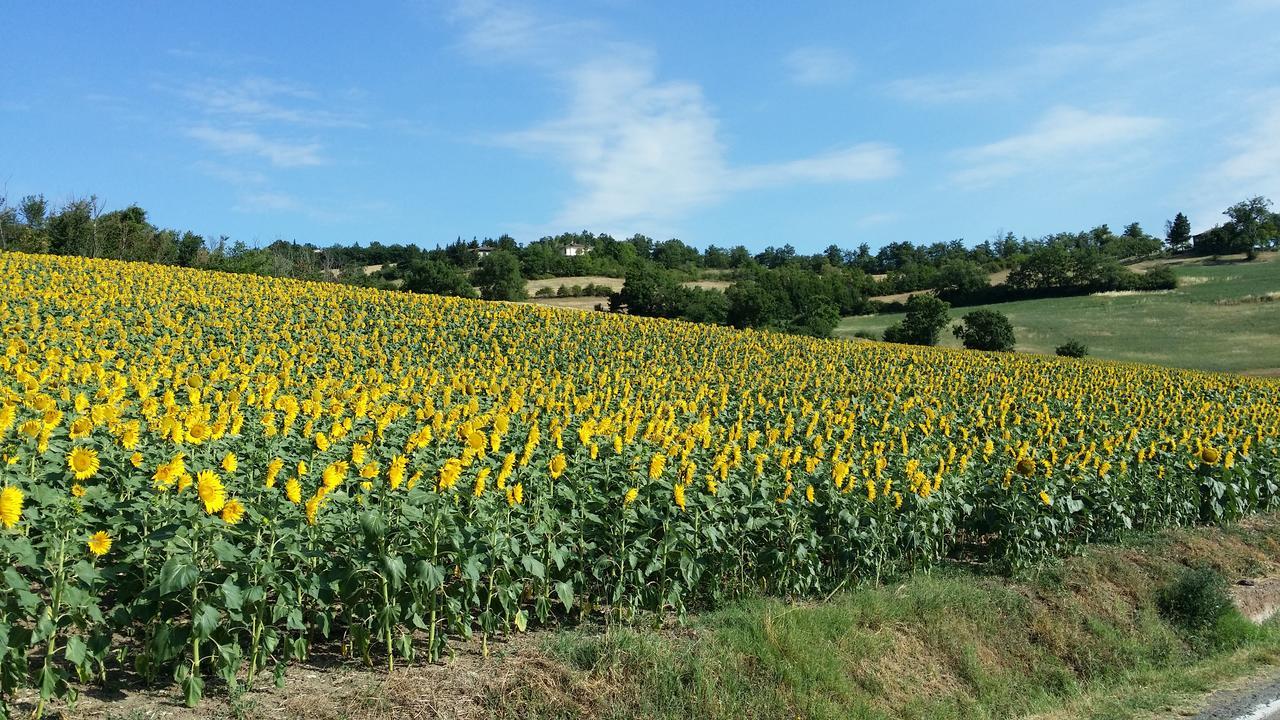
{"points": [[1218, 319]]}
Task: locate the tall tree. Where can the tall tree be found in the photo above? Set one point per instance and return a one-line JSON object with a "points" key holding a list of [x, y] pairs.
{"points": [[499, 278], [1251, 225], [926, 316], [1178, 233]]}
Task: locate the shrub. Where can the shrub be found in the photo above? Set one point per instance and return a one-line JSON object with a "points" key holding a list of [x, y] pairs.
{"points": [[1072, 349], [1196, 602], [544, 292], [986, 330], [926, 316], [866, 335]]}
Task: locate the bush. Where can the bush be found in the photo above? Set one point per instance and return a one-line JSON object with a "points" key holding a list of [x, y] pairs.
{"points": [[986, 330], [544, 292], [1196, 603], [926, 316], [866, 335], [1072, 349]]}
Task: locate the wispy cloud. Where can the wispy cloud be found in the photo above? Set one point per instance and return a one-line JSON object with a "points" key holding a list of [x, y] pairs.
{"points": [[644, 151], [1065, 137], [260, 99], [865, 161], [279, 153], [819, 66], [1036, 65], [875, 219], [1251, 165], [496, 31]]}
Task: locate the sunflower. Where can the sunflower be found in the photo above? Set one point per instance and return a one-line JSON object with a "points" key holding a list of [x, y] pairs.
{"points": [[631, 495], [80, 428], [395, 471], [293, 490], [83, 462], [10, 506], [77, 490], [1026, 467], [557, 465], [232, 511], [1209, 455], [229, 462], [313, 508], [99, 543], [212, 494], [198, 432], [273, 470], [656, 464]]}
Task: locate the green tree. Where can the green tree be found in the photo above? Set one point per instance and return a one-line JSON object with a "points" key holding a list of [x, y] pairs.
{"points": [[1250, 226], [499, 278], [1046, 267], [819, 319], [701, 306], [1178, 233], [960, 277], [926, 316], [749, 304], [437, 278], [1072, 349], [986, 330]]}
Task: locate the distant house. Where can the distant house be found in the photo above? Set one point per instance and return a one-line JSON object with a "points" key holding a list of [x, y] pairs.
{"points": [[485, 250], [575, 250]]}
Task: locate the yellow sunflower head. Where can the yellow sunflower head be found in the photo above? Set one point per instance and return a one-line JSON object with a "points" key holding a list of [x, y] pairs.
{"points": [[232, 511], [83, 462], [99, 543]]}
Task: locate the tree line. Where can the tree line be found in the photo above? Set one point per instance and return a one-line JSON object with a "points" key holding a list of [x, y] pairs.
{"points": [[777, 288]]}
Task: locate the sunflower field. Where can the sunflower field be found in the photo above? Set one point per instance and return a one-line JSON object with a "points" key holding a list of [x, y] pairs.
{"points": [[205, 476]]}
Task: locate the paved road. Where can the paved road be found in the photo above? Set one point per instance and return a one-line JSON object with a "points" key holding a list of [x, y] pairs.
{"points": [[1257, 702]]}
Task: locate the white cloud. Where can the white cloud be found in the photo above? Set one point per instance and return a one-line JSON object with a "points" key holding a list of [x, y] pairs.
{"points": [[1064, 138], [503, 31], [247, 142], [865, 161], [1251, 165], [643, 151], [875, 219], [259, 99], [819, 66]]}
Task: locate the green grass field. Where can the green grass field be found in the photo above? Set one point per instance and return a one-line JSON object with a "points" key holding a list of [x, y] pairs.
{"points": [[1218, 319]]}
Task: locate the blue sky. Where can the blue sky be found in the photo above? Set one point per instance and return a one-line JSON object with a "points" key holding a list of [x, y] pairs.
{"points": [[720, 123]]}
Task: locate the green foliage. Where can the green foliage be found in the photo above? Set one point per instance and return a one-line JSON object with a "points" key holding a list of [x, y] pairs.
{"points": [[499, 278], [926, 316], [437, 278], [1072, 349], [986, 330], [960, 277], [1196, 601], [1178, 234]]}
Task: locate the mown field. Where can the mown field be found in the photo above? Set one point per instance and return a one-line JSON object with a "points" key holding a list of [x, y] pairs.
{"points": [[210, 477], [1223, 317]]}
